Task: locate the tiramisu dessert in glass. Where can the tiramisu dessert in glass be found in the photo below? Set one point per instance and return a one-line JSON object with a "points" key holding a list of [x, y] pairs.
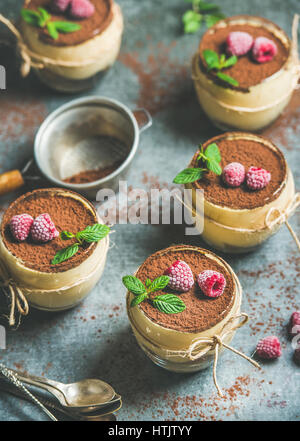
{"points": [[74, 40], [244, 72], [53, 246], [248, 190]]}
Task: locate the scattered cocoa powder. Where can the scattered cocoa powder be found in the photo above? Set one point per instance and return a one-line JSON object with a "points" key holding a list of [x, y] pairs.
{"points": [[249, 153], [93, 175], [90, 27], [66, 212], [246, 71], [201, 312]]}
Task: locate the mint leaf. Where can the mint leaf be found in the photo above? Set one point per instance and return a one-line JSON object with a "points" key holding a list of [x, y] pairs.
{"points": [[31, 17], [189, 175], [212, 19], [206, 7], [148, 283], [227, 79], [44, 17], [159, 283], [66, 235], [214, 166], [66, 27], [139, 299], [211, 58], [191, 27], [52, 30], [134, 285], [169, 304], [231, 61], [189, 16], [212, 152], [65, 254], [93, 233]]}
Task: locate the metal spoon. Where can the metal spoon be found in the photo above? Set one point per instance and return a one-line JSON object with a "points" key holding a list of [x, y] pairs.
{"points": [[82, 395]]}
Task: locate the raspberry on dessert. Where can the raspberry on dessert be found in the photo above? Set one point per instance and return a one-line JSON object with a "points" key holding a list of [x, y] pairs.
{"points": [[20, 226], [239, 43], [234, 174], [269, 348], [257, 178], [211, 283], [82, 9], [263, 49], [181, 276], [60, 5], [294, 324], [43, 229]]}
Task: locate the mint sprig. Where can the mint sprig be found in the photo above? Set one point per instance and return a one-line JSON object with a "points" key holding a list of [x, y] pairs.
{"points": [[201, 11], [210, 158], [92, 233], [41, 18], [167, 303], [216, 63]]}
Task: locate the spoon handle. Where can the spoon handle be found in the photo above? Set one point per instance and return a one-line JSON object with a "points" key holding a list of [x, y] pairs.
{"points": [[12, 378]]}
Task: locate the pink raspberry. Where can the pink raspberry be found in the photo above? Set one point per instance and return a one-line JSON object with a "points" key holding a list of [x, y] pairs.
{"points": [[269, 348], [234, 174], [294, 324], [211, 283], [20, 226], [60, 5], [297, 356], [239, 43], [43, 229], [263, 50], [82, 9], [181, 276], [257, 178]]}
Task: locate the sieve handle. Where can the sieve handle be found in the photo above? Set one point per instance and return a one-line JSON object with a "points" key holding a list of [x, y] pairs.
{"points": [[143, 118], [10, 181]]}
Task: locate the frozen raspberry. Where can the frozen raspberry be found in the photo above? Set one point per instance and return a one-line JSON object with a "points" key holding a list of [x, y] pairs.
{"points": [[211, 283], [294, 324], [20, 226], [297, 356], [268, 348], [82, 9], [239, 43], [181, 276], [257, 178], [263, 50], [234, 174], [43, 229], [60, 5]]}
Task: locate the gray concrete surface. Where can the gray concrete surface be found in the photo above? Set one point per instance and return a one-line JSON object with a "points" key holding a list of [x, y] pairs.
{"points": [[94, 339]]}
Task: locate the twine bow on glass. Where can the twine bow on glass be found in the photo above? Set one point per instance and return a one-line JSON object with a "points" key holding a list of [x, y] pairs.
{"points": [[18, 301], [215, 343], [282, 217]]}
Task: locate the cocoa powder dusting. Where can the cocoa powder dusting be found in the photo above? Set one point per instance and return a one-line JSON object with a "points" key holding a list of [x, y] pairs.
{"points": [[90, 27], [92, 175], [246, 71], [248, 153], [201, 312], [66, 212]]}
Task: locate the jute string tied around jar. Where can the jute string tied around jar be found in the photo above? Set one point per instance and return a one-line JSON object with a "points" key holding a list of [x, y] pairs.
{"points": [[31, 59], [281, 218], [294, 83], [18, 302], [16, 292]]}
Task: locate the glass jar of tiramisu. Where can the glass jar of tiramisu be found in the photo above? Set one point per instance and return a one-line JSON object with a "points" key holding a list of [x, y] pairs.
{"points": [[73, 60], [46, 284], [238, 219], [183, 342], [257, 91]]}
